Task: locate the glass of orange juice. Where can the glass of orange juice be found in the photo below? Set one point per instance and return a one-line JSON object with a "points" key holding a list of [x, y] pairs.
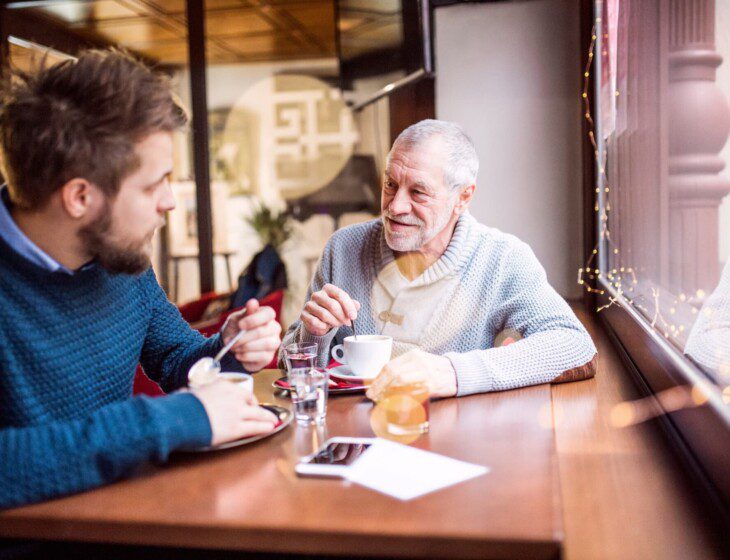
{"points": [[405, 409]]}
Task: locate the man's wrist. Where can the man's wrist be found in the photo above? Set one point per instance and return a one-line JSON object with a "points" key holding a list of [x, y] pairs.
{"points": [[445, 377], [307, 336]]}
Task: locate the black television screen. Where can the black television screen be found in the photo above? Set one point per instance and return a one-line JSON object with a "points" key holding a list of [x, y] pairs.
{"points": [[382, 38]]}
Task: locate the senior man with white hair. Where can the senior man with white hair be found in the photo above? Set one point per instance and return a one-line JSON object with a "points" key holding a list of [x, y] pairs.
{"points": [[441, 284]]}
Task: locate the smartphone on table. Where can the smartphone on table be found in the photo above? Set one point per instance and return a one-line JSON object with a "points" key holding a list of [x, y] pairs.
{"points": [[334, 457]]}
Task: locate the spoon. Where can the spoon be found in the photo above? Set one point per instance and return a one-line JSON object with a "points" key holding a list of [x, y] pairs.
{"points": [[205, 370], [354, 331]]}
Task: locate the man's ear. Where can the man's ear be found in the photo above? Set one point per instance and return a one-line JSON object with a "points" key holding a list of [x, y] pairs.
{"points": [[79, 198], [465, 196]]}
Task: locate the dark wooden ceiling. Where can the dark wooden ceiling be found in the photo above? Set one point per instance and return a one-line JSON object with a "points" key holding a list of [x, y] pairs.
{"points": [[237, 30]]}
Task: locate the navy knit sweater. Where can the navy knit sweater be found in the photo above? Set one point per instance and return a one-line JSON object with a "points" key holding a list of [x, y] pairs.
{"points": [[69, 346]]}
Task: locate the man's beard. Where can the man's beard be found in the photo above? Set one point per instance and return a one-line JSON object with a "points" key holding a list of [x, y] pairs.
{"points": [[404, 242], [125, 259]]}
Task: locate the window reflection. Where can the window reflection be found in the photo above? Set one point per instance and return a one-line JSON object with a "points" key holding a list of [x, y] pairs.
{"points": [[709, 341]]}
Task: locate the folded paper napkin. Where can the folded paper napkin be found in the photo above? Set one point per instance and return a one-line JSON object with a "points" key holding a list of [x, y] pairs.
{"points": [[405, 472]]}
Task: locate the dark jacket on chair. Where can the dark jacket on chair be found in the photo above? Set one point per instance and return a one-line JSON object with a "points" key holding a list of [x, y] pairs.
{"points": [[265, 274]]}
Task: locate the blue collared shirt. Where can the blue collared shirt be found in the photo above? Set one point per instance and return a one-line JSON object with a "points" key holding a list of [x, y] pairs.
{"points": [[19, 242]]}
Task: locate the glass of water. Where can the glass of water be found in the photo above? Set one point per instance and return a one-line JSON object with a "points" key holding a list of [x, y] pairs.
{"points": [[309, 394], [300, 355]]}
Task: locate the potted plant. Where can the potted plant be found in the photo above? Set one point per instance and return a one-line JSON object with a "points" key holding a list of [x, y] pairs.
{"points": [[273, 228]]}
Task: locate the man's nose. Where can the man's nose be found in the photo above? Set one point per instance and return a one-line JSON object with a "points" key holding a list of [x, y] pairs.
{"points": [[167, 201], [401, 202]]}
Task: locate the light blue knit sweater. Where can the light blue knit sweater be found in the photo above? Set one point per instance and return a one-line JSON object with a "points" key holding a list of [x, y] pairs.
{"points": [[501, 286]]}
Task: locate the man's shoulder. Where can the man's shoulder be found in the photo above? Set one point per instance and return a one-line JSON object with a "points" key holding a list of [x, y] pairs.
{"points": [[147, 285], [117, 283], [504, 255], [127, 280], [496, 242]]}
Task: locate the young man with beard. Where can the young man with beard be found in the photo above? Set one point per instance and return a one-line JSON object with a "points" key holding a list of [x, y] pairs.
{"points": [[87, 151], [441, 284]]}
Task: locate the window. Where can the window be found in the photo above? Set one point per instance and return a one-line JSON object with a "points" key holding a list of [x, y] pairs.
{"points": [[281, 131], [660, 125]]}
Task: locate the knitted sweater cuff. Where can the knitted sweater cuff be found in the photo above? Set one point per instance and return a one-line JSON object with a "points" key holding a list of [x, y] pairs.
{"points": [[182, 421], [473, 374]]}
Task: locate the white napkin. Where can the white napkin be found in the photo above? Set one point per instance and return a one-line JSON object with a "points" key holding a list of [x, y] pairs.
{"points": [[406, 472]]}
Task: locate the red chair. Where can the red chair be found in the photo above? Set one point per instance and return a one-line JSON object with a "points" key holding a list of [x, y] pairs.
{"points": [[212, 326], [192, 312]]}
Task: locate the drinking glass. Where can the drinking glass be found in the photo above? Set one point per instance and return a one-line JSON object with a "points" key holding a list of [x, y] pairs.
{"points": [[309, 394], [406, 409], [300, 355]]}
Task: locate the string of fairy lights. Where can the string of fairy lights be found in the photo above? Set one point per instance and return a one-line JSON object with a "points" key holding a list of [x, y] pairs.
{"points": [[622, 279], [589, 273]]}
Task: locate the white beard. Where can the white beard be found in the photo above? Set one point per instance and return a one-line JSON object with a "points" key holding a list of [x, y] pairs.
{"points": [[405, 242]]}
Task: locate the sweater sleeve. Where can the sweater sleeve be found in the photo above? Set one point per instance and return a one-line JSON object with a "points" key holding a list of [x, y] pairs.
{"points": [[52, 459], [553, 340], [171, 347], [296, 331]]}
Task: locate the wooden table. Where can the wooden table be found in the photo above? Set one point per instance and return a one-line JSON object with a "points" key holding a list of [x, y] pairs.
{"points": [[250, 499], [563, 482]]}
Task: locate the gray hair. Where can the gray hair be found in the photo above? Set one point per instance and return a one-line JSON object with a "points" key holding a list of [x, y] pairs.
{"points": [[462, 163]]}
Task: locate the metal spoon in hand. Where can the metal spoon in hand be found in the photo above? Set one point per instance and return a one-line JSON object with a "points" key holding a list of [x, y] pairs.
{"points": [[206, 370]]}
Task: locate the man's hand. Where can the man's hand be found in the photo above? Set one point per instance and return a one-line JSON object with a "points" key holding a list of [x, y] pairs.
{"points": [[416, 366], [233, 412], [256, 348], [329, 308]]}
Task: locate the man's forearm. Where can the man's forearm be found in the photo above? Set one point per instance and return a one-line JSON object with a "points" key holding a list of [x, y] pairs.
{"points": [[48, 460], [540, 358]]}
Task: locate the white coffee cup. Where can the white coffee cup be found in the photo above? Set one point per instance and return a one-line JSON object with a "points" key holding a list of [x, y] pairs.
{"points": [[242, 379], [366, 354]]}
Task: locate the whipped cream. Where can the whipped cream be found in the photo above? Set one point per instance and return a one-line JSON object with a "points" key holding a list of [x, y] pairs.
{"points": [[204, 371]]}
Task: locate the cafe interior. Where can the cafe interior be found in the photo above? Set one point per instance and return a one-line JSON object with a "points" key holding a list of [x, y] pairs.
{"points": [[602, 131]]}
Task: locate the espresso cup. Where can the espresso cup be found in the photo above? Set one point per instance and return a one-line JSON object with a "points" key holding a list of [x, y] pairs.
{"points": [[366, 354]]}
